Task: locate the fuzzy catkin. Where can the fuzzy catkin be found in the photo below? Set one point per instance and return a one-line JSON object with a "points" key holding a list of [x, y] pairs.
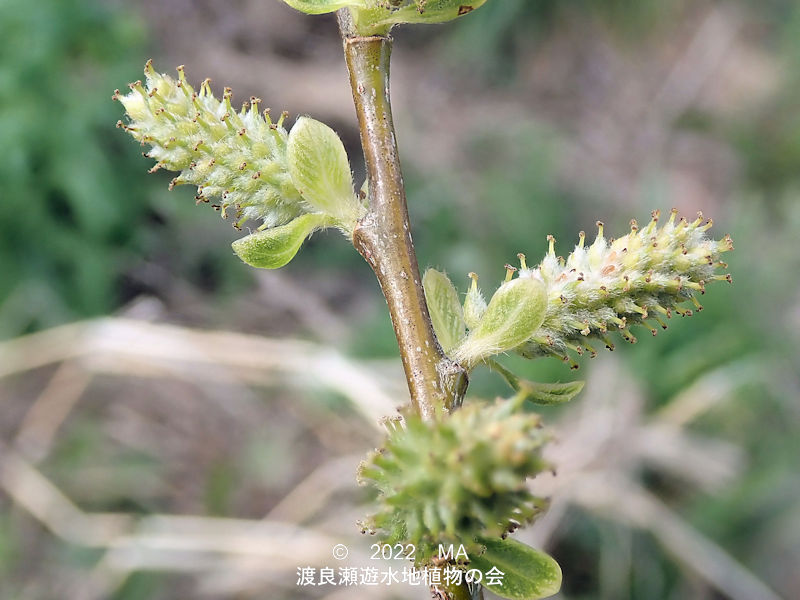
{"points": [[237, 157], [456, 479], [641, 278]]}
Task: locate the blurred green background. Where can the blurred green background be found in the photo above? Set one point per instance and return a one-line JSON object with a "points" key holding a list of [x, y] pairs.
{"points": [[523, 119]]}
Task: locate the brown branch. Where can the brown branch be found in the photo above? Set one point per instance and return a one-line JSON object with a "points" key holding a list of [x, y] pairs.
{"points": [[383, 236]]}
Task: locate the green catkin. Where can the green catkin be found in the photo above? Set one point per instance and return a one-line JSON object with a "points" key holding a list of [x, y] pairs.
{"points": [[237, 158], [641, 278], [457, 479]]}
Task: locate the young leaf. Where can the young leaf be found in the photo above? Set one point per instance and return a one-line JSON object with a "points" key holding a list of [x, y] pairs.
{"points": [[528, 574], [318, 7], [320, 170], [514, 313], [445, 309], [273, 248], [432, 11], [539, 393], [550, 393]]}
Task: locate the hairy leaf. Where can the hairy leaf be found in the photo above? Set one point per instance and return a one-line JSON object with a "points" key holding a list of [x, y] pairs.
{"points": [[550, 393], [320, 170], [445, 309], [514, 313], [538, 393], [273, 248]]}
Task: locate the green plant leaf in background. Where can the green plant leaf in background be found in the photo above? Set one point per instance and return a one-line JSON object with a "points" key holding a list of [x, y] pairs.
{"points": [[73, 184], [445, 309], [273, 248], [528, 573]]}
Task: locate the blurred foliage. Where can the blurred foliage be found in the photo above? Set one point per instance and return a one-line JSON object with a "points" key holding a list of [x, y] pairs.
{"points": [[77, 211], [78, 219], [507, 31], [770, 143], [72, 199]]}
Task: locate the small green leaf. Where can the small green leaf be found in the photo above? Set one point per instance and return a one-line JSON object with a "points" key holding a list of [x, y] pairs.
{"points": [[273, 248], [550, 393], [444, 308], [514, 313], [320, 171], [432, 11], [539, 393], [528, 574], [318, 7]]}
